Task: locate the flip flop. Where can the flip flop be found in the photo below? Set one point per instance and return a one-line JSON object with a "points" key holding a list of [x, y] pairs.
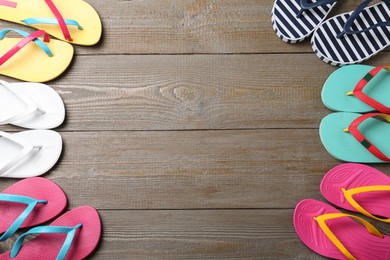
{"points": [[353, 37], [333, 234], [28, 203], [74, 235], [354, 137], [359, 188], [74, 21], [294, 20], [343, 90], [29, 153], [31, 59], [30, 105]]}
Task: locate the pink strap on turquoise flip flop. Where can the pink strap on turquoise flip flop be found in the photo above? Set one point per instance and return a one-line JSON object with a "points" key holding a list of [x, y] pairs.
{"points": [[358, 91], [353, 129], [32, 37]]}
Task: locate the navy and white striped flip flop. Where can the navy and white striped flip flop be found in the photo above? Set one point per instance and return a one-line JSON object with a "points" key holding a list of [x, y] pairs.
{"points": [[294, 20], [353, 37]]}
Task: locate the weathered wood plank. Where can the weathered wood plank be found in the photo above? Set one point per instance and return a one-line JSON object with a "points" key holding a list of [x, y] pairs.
{"points": [[201, 234], [189, 26], [193, 92], [191, 169]]}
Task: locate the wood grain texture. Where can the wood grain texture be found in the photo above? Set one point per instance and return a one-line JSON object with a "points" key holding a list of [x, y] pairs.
{"points": [[204, 234], [193, 130], [189, 26], [191, 169], [192, 92]]}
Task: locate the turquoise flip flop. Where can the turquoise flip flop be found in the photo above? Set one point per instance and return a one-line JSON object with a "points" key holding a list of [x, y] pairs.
{"points": [[359, 89], [354, 137]]}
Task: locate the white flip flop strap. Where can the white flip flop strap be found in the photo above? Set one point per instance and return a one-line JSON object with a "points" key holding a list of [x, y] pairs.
{"points": [[31, 106], [27, 148]]}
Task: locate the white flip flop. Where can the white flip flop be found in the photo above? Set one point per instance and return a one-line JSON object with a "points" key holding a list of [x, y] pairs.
{"points": [[29, 153], [30, 105]]}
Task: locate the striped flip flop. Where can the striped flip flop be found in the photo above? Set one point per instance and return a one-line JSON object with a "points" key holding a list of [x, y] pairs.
{"points": [[353, 37], [295, 20]]}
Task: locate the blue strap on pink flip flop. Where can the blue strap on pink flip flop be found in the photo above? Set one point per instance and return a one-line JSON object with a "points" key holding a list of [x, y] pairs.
{"points": [[31, 204], [69, 231]]}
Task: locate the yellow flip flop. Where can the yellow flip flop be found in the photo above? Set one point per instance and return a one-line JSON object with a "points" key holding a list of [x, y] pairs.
{"points": [[33, 59], [74, 21]]}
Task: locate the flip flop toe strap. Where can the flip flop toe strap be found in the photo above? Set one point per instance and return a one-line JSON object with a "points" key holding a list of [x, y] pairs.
{"points": [[354, 130], [31, 204], [355, 14], [28, 38], [69, 231], [63, 23], [306, 5], [30, 109], [321, 220], [26, 150], [358, 91], [348, 194]]}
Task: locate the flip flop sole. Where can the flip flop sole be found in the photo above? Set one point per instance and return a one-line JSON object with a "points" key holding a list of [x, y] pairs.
{"points": [[40, 161], [47, 246], [354, 237], [354, 48], [345, 80], [31, 63], [344, 146], [291, 29], [37, 188], [353, 175]]}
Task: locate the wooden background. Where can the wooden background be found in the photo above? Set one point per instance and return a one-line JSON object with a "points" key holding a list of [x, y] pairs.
{"points": [[193, 130]]}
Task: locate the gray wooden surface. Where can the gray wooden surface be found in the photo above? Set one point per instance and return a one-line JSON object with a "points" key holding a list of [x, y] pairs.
{"points": [[193, 130]]}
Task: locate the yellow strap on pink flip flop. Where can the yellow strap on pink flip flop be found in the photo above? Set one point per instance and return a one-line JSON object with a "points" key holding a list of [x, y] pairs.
{"points": [[321, 220], [348, 194]]}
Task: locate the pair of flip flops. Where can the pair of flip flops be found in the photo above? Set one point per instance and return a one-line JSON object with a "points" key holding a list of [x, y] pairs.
{"points": [[31, 58], [33, 201], [361, 132], [334, 234], [347, 38], [34, 106]]}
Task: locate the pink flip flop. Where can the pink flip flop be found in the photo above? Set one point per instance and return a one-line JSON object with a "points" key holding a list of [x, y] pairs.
{"points": [[331, 233], [359, 188], [28, 203], [72, 236]]}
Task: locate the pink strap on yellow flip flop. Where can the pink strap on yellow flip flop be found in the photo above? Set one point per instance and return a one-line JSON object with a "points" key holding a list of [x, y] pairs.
{"points": [[353, 129], [348, 194], [8, 3], [60, 20], [358, 91], [321, 220], [23, 43]]}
